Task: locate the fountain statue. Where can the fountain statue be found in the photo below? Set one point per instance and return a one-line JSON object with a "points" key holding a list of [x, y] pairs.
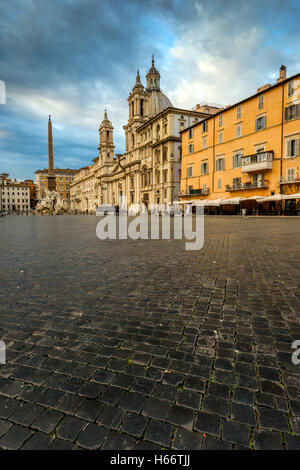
{"points": [[52, 204]]}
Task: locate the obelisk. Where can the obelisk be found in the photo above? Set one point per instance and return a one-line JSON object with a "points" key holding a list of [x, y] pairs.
{"points": [[51, 174]]}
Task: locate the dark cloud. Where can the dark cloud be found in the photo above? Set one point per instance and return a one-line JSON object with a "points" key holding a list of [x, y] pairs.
{"points": [[72, 58]]}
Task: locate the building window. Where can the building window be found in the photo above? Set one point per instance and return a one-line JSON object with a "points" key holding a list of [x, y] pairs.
{"points": [[220, 164], [236, 183], [190, 171], [204, 126], [291, 174], [261, 102], [291, 88], [165, 175], [191, 133], [237, 160], [191, 148], [292, 148], [239, 112], [291, 112], [204, 168], [220, 137], [204, 142], [260, 123], [238, 130], [219, 184], [220, 120]]}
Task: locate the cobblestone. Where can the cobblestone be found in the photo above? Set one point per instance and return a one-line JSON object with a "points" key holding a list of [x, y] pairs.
{"points": [[143, 345]]}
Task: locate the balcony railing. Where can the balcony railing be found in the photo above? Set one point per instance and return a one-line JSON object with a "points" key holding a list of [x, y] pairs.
{"points": [[290, 180], [194, 192], [257, 162], [248, 185]]}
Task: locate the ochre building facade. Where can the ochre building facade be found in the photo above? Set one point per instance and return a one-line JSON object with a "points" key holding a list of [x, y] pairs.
{"points": [[248, 149]]}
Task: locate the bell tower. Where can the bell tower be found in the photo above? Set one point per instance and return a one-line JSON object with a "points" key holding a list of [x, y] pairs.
{"points": [[153, 78], [136, 100], [106, 143]]}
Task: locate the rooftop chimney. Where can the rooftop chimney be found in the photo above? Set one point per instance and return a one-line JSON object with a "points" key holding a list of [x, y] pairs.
{"points": [[282, 74]]}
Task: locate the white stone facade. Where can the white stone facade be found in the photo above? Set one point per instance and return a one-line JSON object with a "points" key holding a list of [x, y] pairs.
{"points": [[149, 170], [14, 196]]}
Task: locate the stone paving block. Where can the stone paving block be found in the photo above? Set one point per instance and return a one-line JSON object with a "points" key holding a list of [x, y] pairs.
{"points": [[118, 441], [208, 423], [272, 419], [47, 421], [123, 381], [4, 426], [165, 392], [134, 424], [243, 414], [186, 440], [216, 405], [92, 437], [211, 443], [189, 398], [26, 414], [69, 403], [112, 395], [111, 416], [90, 390], [158, 432], [15, 437], [60, 444], [8, 406], [236, 433], [181, 416], [38, 441], [244, 396], [89, 409], [267, 440], [156, 409], [143, 385], [69, 428], [292, 442], [133, 401]]}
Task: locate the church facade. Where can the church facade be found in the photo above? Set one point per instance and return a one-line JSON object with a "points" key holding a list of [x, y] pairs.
{"points": [[149, 171]]}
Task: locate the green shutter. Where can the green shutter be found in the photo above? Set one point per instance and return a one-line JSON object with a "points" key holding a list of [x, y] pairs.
{"points": [[297, 147], [286, 113]]}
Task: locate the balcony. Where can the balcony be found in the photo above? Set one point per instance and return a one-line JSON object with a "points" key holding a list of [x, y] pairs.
{"points": [[257, 162], [248, 185], [195, 192], [290, 180]]}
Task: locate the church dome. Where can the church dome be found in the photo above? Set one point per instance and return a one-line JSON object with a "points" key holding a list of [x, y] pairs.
{"points": [[158, 102]]}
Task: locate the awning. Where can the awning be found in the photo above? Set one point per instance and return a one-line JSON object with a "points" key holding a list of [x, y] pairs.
{"points": [[292, 196], [275, 197], [254, 198], [200, 202], [212, 202], [234, 200], [191, 201]]}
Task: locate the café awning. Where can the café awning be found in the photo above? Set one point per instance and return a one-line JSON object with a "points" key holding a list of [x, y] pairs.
{"points": [[234, 200]]}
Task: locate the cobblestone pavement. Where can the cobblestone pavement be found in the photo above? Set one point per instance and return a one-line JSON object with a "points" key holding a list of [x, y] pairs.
{"points": [[143, 345]]}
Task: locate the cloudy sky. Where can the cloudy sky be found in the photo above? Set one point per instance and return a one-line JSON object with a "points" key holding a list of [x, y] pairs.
{"points": [[73, 58]]}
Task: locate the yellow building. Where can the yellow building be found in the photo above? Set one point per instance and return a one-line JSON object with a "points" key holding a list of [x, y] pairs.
{"points": [[247, 150], [63, 178]]}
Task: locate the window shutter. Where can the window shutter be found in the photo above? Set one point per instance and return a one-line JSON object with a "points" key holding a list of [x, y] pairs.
{"points": [[256, 124], [264, 122], [286, 114], [289, 148], [297, 110], [297, 147]]}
